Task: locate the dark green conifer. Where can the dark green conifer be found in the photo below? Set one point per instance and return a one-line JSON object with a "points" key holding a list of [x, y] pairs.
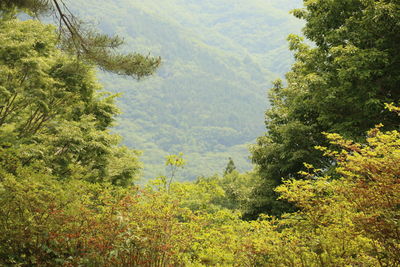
{"points": [[82, 40], [230, 167]]}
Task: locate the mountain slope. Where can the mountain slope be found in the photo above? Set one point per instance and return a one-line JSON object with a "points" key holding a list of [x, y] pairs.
{"points": [[208, 98]]}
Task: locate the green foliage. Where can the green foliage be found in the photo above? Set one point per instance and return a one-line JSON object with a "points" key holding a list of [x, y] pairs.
{"points": [[215, 193], [340, 222], [45, 222], [82, 40], [173, 163], [230, 167], [353, 215], [51, 110], [66, 194], [339, 85], [372, 188]]}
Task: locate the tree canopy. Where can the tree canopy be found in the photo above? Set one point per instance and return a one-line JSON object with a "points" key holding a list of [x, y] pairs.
{"points": [[339, 83], [52, 112]]}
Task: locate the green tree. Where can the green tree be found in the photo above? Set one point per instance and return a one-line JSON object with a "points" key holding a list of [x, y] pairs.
{"points": [[339, 85], [51, 110], [173, 163], [230, 167], [79, 38]]}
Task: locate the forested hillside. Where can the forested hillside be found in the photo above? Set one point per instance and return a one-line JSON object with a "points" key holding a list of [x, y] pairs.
{"points": [[207, 99], [325, 188]]}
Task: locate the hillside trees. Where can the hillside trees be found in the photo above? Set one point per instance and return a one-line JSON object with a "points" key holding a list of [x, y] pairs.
{"points": [[52, 112], [347, 221], [81, 39], [218, 58], [340, 84]]}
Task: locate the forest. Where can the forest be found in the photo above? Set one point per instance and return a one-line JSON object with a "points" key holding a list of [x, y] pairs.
{"points": [[207, 98], [325, 185]]}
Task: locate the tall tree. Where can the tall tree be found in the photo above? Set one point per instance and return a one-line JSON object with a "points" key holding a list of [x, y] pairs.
{"points": [[230, 167], [51, 112], [340, 84], [79, 38]]}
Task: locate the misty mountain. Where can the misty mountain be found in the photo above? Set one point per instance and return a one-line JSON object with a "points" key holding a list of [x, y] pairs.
{"points": [[209, 97]]}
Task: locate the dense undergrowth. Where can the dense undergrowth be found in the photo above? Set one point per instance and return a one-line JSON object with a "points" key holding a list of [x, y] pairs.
{"points": [[348, 221]]}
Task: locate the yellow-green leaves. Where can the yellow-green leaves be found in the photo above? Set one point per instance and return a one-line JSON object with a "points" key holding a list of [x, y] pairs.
{"points": [[351, 219], [175, 160]]}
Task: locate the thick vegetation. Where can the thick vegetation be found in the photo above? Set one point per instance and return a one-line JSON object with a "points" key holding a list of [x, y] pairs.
{"points": [[51, 112], [67, 192], [339, 85], [340, 222]]}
